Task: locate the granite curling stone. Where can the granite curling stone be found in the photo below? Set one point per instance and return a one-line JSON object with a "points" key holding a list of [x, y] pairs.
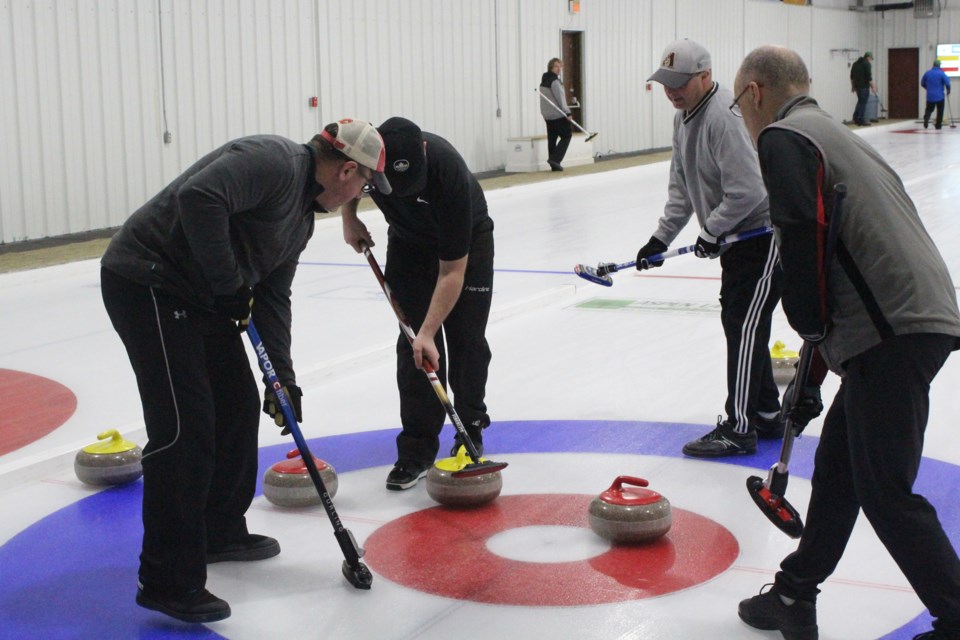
{"points": [[461, 492], [784, 363], [630, 515], [111, 461], [288, 482]]}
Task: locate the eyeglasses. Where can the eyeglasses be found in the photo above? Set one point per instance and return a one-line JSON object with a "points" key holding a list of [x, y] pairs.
{"points": [[735, 107]]}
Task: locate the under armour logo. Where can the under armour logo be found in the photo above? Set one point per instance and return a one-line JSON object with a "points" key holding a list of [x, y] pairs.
{"points": [[179, 315]]}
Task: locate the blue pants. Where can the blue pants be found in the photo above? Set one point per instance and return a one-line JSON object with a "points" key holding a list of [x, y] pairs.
{"points": [[858, 112]]}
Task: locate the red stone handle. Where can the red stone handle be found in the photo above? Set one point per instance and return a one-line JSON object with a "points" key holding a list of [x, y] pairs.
{"points": [[631, 480]]}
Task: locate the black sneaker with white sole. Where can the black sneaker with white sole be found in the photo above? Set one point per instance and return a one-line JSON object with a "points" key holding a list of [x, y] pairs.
{"points": [[189, 605], [722, 441], [767, 611], [405, 474]]}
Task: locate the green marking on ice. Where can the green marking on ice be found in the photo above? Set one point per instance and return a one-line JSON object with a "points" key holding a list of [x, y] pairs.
{"points": [[685, 307]]}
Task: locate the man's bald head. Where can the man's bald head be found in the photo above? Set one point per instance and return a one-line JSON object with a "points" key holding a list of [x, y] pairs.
{"points": [[777, 68]]}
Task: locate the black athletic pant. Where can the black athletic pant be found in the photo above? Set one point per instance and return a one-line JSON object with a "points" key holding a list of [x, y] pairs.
{"points": [[750, 289], [559, 133], [868, 459], [201, 406], [929, 110], [412, 275]]}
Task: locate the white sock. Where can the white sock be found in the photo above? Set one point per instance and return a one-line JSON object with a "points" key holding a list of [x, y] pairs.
{"points": [[768, 415]]}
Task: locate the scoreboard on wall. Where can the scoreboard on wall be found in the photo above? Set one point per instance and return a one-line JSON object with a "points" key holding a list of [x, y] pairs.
{"points": [[949, 57]]}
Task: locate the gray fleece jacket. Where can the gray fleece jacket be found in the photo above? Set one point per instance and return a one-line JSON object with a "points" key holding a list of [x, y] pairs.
{"points": [[241, 215], [714, 172]]}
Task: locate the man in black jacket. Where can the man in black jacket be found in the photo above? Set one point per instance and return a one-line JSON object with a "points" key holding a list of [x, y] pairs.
{"points": [[440, 269], [861, 83], [178, 280]]}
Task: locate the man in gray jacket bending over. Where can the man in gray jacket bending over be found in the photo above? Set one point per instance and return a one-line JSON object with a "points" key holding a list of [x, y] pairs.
{"points": [[179, 280], [714, 173]]}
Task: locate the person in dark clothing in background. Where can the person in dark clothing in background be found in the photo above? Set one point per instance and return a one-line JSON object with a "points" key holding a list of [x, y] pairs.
{"points": [[554, 109], [937, 84], [179, 280], [884, 324], [440, 269], [861, 83]]}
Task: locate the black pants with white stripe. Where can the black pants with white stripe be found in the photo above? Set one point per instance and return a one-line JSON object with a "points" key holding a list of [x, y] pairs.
{"points": [[868, 458], [750, 290], [201, 407], [412, 275]]}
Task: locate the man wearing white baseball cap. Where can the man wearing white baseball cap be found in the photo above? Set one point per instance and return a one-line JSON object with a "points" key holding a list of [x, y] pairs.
{"points": [[179, 281], [714, 174]]}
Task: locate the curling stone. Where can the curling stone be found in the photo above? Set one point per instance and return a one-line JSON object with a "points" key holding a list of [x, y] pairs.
{"points": [[784, 363], [288, 483], [461, 492], [112, 461], [630, 515]]}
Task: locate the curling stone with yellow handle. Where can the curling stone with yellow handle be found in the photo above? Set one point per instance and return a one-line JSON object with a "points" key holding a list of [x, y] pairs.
{"points": [[472, 491], [630, 515], [112, 461], [288, 482], [784, 363]]}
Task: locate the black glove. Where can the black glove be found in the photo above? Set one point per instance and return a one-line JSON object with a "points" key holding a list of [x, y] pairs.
{"points": [[652, 247], [272, 408], [808, 406], [708, 245], [236, 306]]}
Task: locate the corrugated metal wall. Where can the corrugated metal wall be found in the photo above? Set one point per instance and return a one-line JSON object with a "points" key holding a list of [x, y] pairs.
{"points": [[90, 87]]}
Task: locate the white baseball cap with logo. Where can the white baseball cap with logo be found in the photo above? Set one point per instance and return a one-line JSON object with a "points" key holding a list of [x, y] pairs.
{"points": [[361, 142], [681, 61]]}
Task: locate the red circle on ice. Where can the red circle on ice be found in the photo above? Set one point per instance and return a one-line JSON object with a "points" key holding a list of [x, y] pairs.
{"points": [[443, 551], [33, 406]]}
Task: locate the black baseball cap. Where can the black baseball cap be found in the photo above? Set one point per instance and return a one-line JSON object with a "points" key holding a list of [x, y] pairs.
{"points": [[406, 166]]}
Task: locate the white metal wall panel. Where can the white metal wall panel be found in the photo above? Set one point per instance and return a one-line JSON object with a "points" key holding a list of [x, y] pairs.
{"points": [[90, 86]]}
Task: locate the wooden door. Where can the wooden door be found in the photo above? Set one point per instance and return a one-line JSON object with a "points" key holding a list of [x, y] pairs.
{"points": [[903, 83], [571, 47]]}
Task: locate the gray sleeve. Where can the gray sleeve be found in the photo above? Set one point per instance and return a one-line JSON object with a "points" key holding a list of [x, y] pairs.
{"points": [[273, 316], [679, 208], [743, 190], [559, 96], [239, 180]]}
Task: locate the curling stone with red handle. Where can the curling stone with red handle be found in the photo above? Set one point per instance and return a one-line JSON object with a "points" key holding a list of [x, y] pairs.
{"points": [[461, 492], [113, 461], [288, 482], [630, 514]]}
